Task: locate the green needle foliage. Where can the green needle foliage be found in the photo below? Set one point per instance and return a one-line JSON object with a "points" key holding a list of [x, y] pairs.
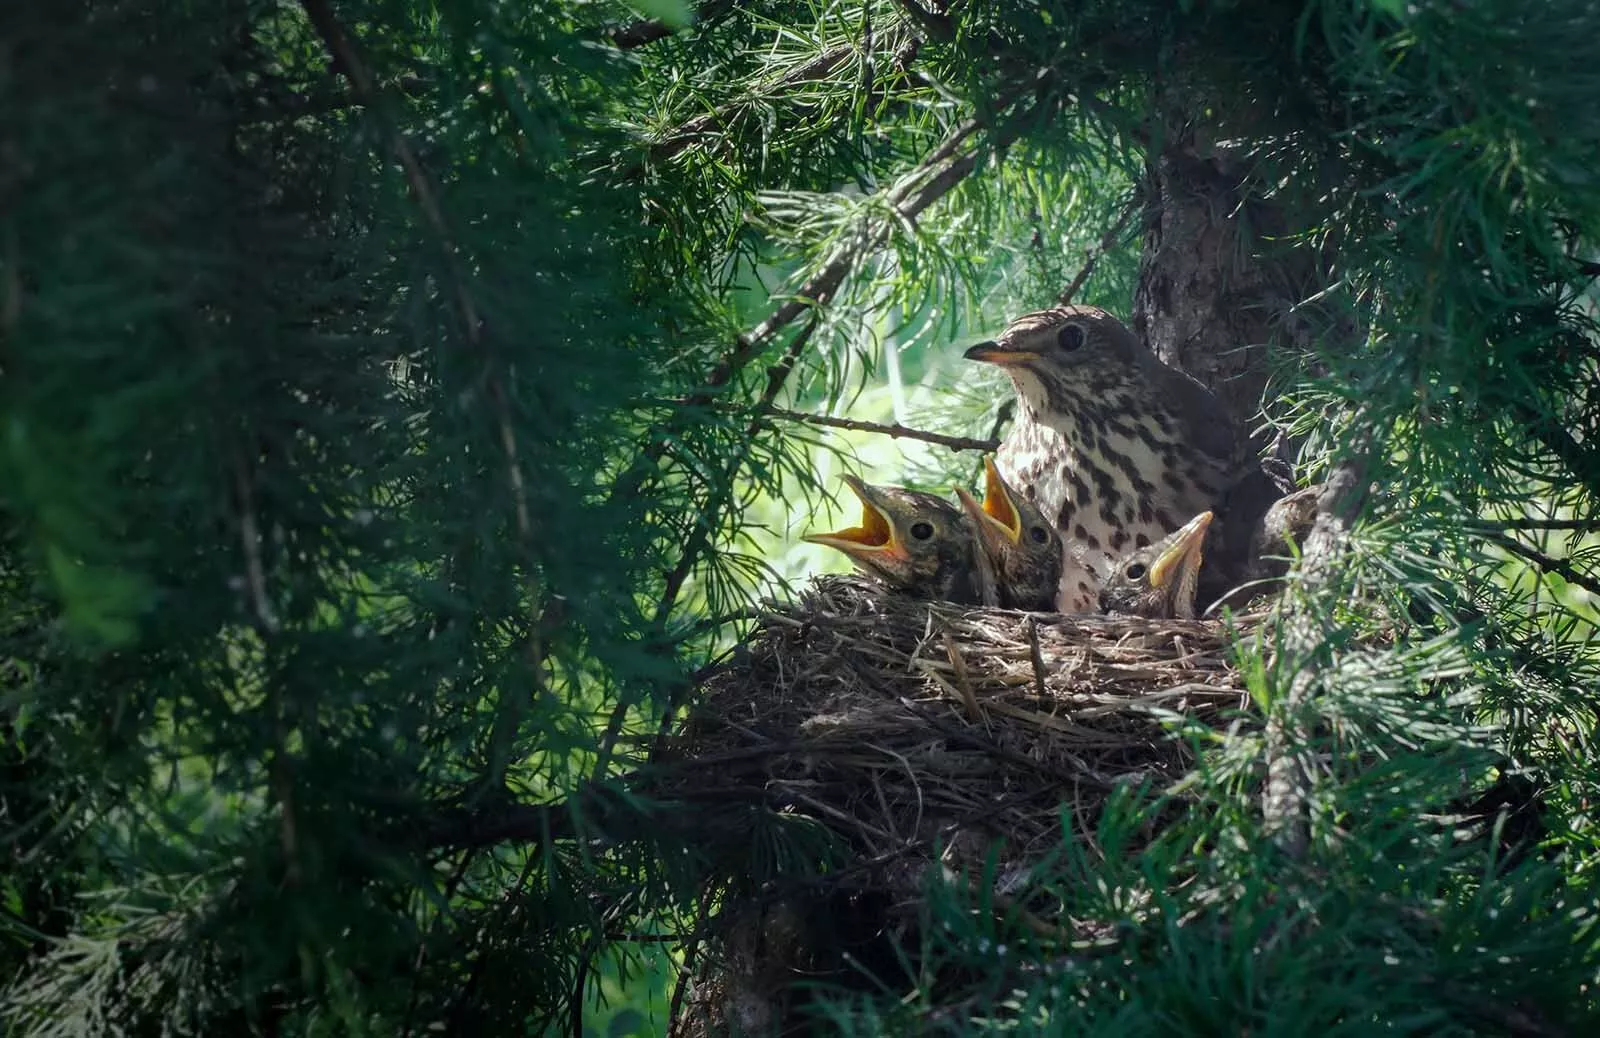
{"points": [[385, 447]]}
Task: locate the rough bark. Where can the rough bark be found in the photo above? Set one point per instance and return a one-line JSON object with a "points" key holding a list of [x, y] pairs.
{"points": [[1220, 282]]}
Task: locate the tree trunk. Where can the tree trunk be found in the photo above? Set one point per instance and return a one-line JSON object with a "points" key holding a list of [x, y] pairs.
{"points": [[1220, 277]]}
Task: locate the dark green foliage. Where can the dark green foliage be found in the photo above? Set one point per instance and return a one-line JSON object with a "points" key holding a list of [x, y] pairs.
{"points": [[382, 452]]}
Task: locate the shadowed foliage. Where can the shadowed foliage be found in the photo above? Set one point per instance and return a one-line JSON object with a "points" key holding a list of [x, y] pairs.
{"points": [[398, 426]]}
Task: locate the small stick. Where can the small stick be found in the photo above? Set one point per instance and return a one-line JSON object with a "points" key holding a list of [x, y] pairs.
{"points": [[895, 430], [1038, 663], [1092, 257], [963, 685]]}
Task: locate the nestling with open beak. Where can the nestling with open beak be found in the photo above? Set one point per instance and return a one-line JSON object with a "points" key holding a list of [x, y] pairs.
{"points": [[1023, 550], [914, 542], [1159, 581]]}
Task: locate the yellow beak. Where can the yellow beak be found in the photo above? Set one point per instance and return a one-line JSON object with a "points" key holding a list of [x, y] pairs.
{"points": [[875, 534], [1185, 545]]}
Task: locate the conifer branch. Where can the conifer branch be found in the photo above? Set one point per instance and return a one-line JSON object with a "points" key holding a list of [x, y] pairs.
{"points": [[706, 523], [931, 180], [644, 31], [266, 624], [716, 123], [819, 289], [1549, 525], [936, 23], [934, 177], [1579, 457], [347, 59], [723, 489], [1561, 567], [1091, 259], [1286, 800], [894, 430], [639, 33]]}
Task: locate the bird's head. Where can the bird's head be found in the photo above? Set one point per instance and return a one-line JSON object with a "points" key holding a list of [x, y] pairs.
{"points": [[910, 540], [1026, 552], [1066, 349], [1159, 581]]}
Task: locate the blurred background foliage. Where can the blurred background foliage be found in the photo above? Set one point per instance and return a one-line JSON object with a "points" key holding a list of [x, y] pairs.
{"points": [[386, 445]]}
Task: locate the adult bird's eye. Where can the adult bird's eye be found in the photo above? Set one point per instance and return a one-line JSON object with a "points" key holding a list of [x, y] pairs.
{"points": [[1070, 337], [1136, 571], [1038, 534], [922, 531]]}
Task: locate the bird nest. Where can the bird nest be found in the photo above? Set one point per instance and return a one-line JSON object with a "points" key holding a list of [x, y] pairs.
{"points": [[923, 735]]}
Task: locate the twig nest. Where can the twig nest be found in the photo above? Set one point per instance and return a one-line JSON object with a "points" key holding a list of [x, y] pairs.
{"points": [[891, 720], [923, 735]]}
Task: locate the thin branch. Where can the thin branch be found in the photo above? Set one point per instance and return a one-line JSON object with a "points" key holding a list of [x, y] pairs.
{"points": [[896, 431], [1107, 241], [1562, 568], [932, 178], [817, 291], [1537, 525], [640, 32], [710, 515], [914, 193], [1286, 800], [266, 624], [644, 31], [717, 122], [347, 60], [709, 519]]}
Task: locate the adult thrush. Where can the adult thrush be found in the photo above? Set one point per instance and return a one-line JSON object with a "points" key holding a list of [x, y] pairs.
{"points": [[1116, 448], [1024, 553], [1159, 581], [914, 542]]}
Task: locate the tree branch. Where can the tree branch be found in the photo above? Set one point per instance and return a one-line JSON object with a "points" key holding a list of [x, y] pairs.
{"points": [[1562, 568], [640, 32], [1286, 800], [818, 290], [910, 196], [1490, 526], [643, 31], [896, 431], [347, 60], [706, 523], [1091, 259]]}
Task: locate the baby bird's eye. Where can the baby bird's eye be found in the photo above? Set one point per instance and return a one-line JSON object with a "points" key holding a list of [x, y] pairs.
{"points": [[1038, 534], [1135, 571], [922, 531], [1070, 337]]}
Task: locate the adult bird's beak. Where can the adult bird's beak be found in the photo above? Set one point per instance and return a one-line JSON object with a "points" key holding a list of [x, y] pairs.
{"points": [[876, 533], [1183, 553], [998, 511], [993, 352]]}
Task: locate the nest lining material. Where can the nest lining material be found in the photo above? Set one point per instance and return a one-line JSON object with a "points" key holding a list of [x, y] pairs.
{"points": [[909, 727]]}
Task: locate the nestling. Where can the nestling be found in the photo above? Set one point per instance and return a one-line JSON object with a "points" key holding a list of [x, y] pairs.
{"points": [[1159, 581], [914, 542], [1023, 549]]}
